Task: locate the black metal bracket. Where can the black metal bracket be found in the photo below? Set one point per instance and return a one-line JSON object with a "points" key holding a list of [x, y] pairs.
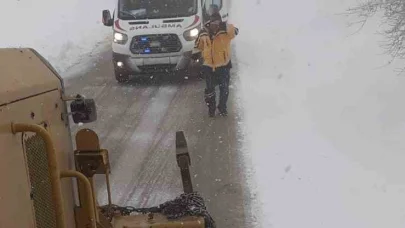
{"points": [[183, 161], [92, 162]]}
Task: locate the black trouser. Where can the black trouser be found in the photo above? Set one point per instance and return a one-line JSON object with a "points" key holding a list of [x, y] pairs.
{"points": [[221, 77]]}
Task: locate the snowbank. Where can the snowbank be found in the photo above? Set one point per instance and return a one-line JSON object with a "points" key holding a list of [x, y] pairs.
{"points": [[325, 122], [66, 32]]}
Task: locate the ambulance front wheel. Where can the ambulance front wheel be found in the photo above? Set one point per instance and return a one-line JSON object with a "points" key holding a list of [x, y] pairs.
{"points": [[121, 76]]}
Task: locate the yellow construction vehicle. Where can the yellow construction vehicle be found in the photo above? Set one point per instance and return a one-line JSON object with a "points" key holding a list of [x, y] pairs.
{"points": [[47, 183]]}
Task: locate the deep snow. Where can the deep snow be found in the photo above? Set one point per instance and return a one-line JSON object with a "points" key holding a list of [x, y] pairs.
{"points": [[66, 32], [324, 123]]}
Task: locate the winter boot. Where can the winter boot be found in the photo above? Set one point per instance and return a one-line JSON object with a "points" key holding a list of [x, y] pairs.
{"points": [[211, 112], [210, 101], [223, 113]]}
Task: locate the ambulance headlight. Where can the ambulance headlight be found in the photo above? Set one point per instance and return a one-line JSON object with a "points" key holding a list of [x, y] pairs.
{"points": [[194, 32], [191, 34], [120, 38]]}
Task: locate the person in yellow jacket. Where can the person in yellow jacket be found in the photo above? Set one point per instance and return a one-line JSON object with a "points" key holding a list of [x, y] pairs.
{"points": [[214, 43]]}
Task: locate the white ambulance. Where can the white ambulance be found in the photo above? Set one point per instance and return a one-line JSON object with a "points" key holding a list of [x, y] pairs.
{"points": [[152, 36]]}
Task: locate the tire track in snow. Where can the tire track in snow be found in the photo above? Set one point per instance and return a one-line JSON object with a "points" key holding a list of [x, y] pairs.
{"points": [[158, 180], [130, 162], [125, 124]]}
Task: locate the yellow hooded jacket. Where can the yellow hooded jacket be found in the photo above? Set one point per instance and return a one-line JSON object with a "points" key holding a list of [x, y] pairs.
{"points": [[216, 50]]}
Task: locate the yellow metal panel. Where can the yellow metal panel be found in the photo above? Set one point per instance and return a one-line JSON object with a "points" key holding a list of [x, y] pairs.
{"points": [[15, 203], [23, 74], [16, 207]]}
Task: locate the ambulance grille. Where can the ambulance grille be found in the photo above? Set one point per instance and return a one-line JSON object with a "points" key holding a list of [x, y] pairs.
{"points": [[41, 188], [155, 44], [161, 68]]}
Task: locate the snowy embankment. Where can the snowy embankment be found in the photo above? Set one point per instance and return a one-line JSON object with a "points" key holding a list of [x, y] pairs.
{"points": [[325, 123], [66, 32]]}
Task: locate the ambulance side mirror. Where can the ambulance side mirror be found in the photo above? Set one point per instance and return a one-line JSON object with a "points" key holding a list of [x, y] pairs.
{"points": [[107, 20]]}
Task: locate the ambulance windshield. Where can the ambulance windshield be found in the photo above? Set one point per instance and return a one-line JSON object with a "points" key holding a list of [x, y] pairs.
{"points": [[153, 9]]}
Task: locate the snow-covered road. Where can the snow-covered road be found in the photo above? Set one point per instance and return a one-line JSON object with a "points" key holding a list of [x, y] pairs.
{"points": [[137, 123]]}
